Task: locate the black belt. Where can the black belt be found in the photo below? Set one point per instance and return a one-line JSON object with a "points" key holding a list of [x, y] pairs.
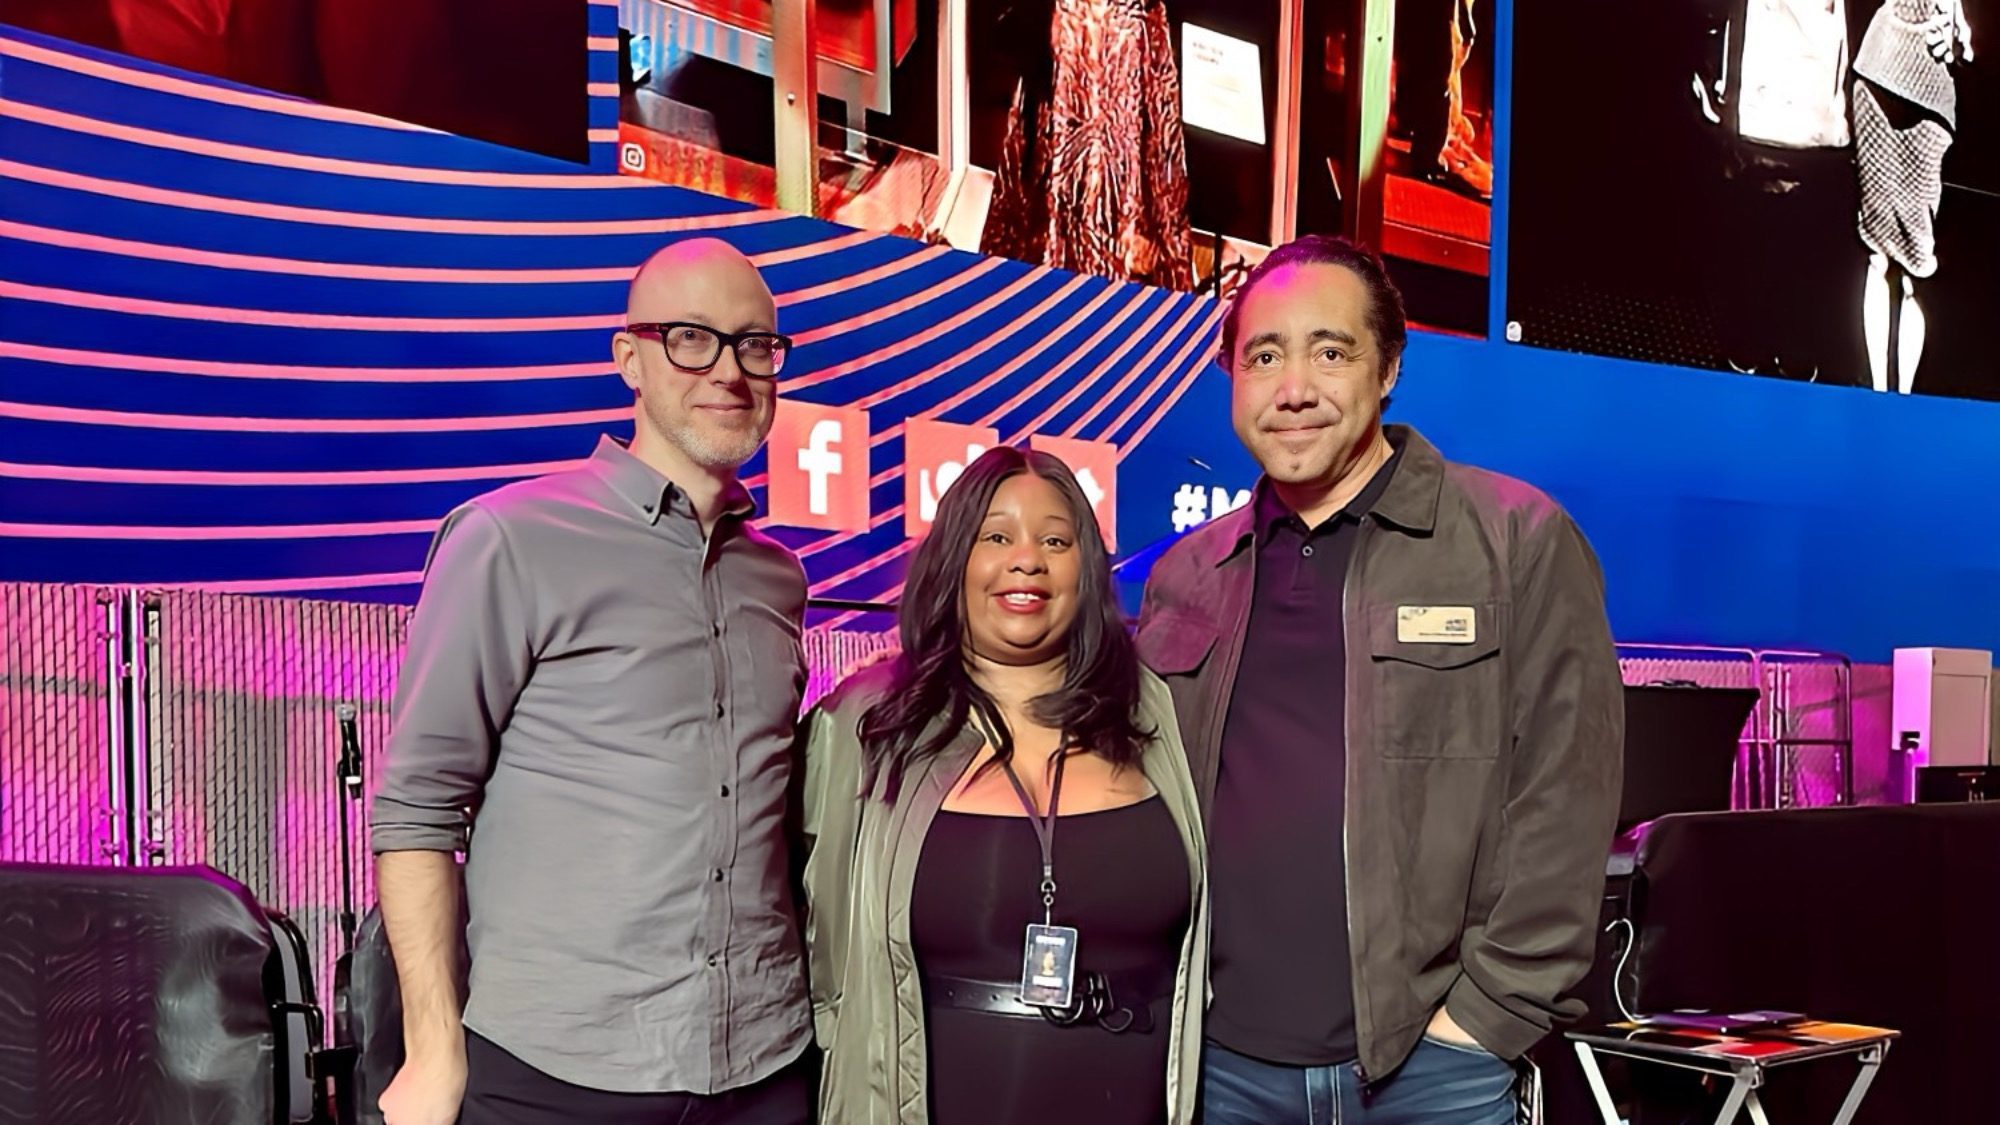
{"points": [[1115, 1001]]}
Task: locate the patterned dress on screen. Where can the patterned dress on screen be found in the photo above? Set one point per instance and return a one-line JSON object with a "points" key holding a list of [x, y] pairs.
{"points": [[1094, 174], [1905, 111]]}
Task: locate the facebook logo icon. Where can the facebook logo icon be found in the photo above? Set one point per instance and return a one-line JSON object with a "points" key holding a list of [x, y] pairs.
{"points": [[819, 461], [819, 467]]}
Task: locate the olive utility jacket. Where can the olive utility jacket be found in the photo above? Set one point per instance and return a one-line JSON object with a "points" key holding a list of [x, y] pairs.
{"points": [[1484, 742], [860, 870]]}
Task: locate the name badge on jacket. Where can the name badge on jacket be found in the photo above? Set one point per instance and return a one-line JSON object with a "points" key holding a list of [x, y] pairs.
{"points": [[1436, 625]]}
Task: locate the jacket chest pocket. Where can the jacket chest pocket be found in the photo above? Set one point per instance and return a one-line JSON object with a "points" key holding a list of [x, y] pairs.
{"points": [[1176, 644], [1438, 699]]}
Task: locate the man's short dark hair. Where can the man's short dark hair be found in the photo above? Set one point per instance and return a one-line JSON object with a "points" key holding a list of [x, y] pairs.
{"points": [[1385, 301]]}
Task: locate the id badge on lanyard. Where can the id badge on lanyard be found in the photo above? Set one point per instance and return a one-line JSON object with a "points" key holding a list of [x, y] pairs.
{"points": [[1048, 952], [1048, 966]]}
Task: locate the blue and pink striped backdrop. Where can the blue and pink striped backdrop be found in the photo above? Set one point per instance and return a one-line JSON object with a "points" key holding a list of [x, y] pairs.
{"points": [[259, 344]]}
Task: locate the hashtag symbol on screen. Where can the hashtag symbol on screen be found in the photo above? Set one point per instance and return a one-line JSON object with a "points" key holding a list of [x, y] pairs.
{"points": [[1190, 506]]}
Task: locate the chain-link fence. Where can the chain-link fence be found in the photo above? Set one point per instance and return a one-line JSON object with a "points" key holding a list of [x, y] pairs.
{"points": [[242, 738], [1882, 776], [1808, 711], [223, 748], [1797, 746], [185, 727]]}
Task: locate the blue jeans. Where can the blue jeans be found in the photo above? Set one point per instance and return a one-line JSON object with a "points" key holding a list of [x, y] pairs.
{"points": [[1441, 1084]]}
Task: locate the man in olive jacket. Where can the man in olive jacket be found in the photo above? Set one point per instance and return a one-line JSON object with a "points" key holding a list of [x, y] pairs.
{"points": [[1402, 708]]}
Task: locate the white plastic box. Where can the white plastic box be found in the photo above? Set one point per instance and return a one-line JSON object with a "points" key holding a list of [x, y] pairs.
{"points": [[1942, 709]]}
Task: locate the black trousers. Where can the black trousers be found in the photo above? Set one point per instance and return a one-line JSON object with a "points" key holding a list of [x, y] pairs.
{"points": [[502, 1090]]}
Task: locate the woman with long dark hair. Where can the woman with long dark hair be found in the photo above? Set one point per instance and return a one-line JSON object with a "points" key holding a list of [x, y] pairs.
{"points": [[1005, 887]]}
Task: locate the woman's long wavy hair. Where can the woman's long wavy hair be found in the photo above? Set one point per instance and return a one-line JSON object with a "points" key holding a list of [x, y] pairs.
{"points": [[1094, 707]]}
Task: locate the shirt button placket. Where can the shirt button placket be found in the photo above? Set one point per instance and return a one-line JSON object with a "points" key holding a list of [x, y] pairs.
{"points": [[720, 661], [722, 819]]}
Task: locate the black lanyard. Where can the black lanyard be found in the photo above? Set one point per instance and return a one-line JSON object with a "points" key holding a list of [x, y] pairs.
{"points": [[1045, 830]]}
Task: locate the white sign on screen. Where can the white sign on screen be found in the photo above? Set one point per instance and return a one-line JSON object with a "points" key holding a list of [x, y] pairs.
{"points": [[1222, 84]]}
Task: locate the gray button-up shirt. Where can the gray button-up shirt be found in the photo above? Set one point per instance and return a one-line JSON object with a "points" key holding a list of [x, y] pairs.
{"points": [[613, 697]]}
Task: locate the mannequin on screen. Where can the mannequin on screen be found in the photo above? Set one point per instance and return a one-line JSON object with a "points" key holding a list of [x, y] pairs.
{"points": [[1905, 112]]}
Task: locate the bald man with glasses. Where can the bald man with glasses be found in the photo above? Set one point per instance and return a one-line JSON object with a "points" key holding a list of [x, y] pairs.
{"points": [[602, 675]]}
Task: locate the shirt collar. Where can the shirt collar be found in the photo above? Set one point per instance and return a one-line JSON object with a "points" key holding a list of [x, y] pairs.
{"points": [[1271, 511], [648, 490]]}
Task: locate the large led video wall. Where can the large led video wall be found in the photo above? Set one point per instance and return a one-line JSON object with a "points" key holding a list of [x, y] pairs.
{"points": [[1801, 189], [1169, 142]]}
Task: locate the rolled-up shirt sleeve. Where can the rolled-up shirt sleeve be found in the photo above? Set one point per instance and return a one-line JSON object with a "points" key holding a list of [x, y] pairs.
{"points": [[468, 657]]}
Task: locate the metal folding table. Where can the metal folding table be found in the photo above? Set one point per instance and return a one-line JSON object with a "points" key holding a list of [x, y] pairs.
{"points": [[1743, 1057]]}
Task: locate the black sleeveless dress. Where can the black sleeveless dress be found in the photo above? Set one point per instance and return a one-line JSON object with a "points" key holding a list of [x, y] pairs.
{"points": [[1124, 886]]}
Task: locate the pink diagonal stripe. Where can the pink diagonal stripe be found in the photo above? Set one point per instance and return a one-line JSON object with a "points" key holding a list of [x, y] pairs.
{"points": [[1089, 381], [78, 357], [218, 314], [1164, 408], [934, 332], [914, 300], [1110, 363], [276, 158], [1201, 338], [814, 249], [1195, 309], [415, 224], [865, 277], [1137, 301], [1060, 335], [851, 573], [1133, 339], [450, 275], [975, 350], [1110, 324], [300, 267]]}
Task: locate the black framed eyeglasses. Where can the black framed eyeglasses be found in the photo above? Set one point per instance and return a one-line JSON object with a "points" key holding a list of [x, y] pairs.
{"points": [[697, 347]]}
